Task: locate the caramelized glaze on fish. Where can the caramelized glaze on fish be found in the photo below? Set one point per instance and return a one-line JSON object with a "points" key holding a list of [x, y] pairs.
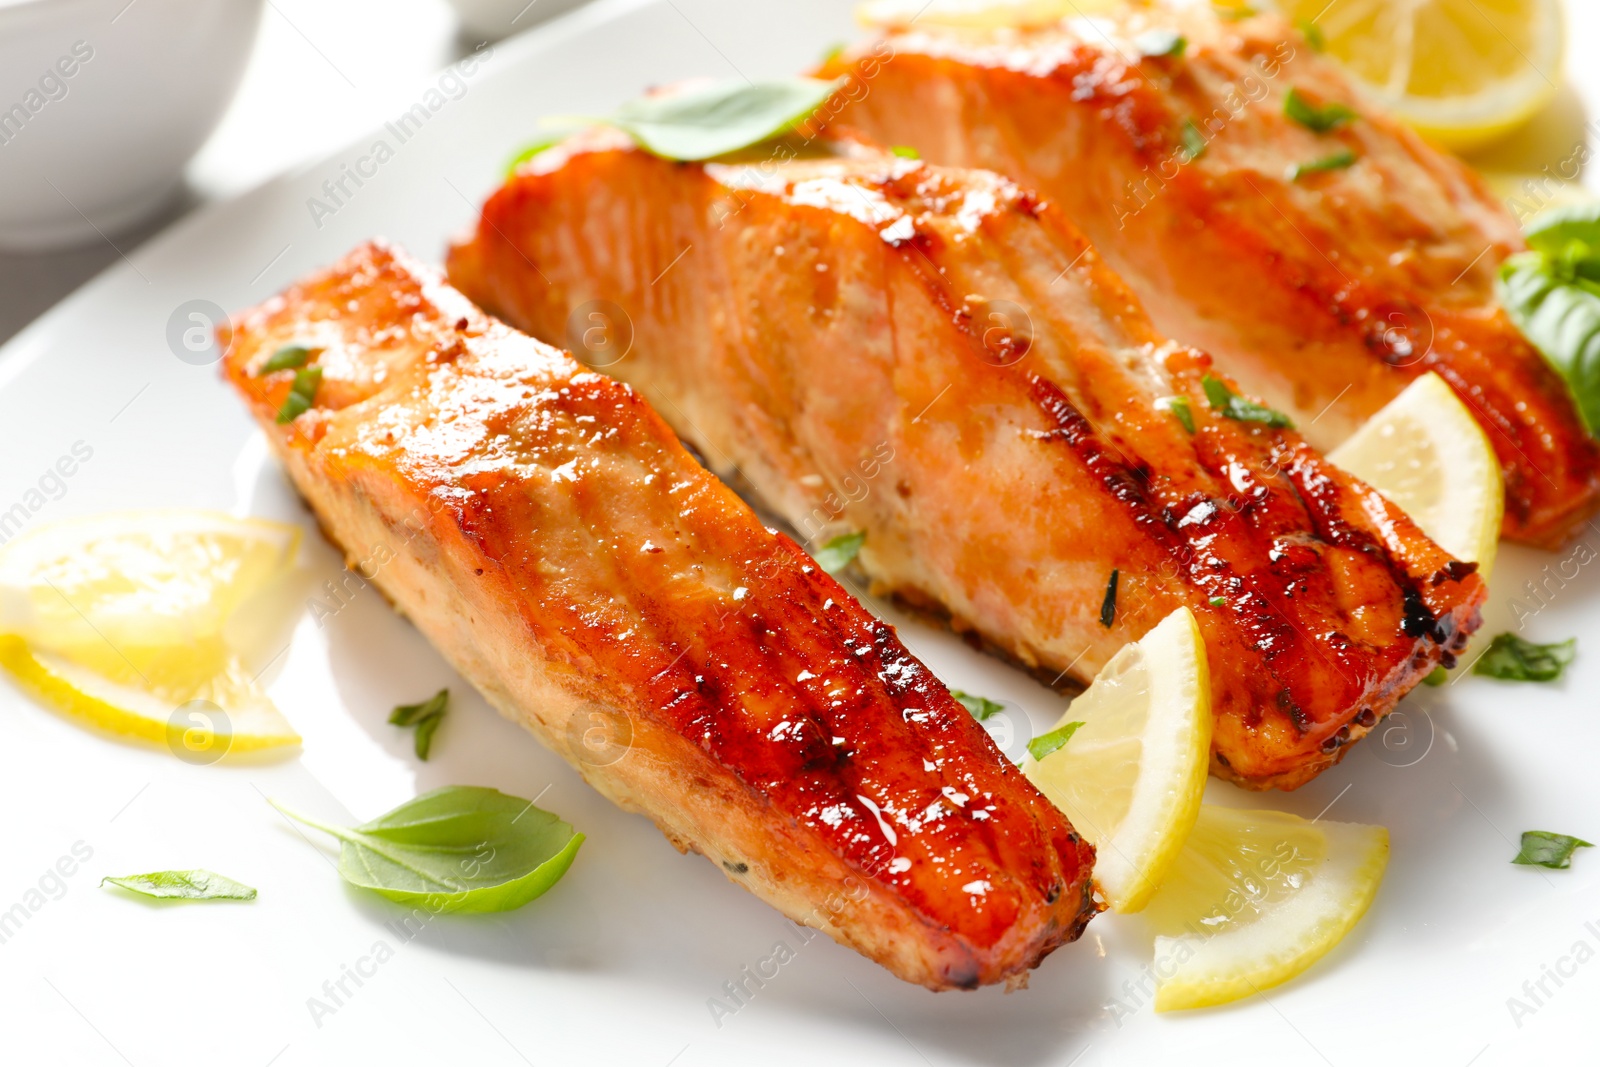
{"points": [[1324, 294], [937, 359], [544, 528]]}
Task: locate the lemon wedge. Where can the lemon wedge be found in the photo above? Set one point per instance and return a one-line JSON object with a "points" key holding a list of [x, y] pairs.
{"points": [[1131, 777], [1256, 897], [117, 620], [1426, 453], [975, 14], [148, 578], [1463, 72]]}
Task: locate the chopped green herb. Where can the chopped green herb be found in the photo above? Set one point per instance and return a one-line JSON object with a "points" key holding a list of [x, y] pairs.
{"points": [[837, 554], [286, 358], [425, 716], [979, 707], [301, 394], [530, 150], [1511, 659], [905, 151], [1218, 601], [462, 848], [1108, 606], [1233, 12], [1179, 406], [724, 117], [1194, 142], [1044, 744], [1436, 677], [1552, 293], [1236, 407], [1313, 35], [1544, 849], [1161, 42], [833, 52], [183, 885], [1338, 161], [1318, 119]]}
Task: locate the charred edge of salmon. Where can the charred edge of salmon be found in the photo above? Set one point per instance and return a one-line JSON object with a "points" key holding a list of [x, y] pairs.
{"points": [[1437, 635], [962, 965]]}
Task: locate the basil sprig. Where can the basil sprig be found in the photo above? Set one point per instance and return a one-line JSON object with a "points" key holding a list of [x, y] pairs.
{"points": [[461, 848], [1511, 659], [425, 716], [1337, 161], [1233, 406], [1322, 119], [709, 121], [1552, 293], [980, 708], [183, 885], [1544, 849], [1044, 744], [838, 553], [302, 394]]}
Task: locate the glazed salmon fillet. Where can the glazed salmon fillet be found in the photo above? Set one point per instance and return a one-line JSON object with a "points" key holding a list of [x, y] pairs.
{"points": [[542, 526], [1325, 295], [936, 359]]}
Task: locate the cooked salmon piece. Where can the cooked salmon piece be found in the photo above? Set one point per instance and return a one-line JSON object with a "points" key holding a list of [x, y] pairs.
{"points": [[548, 533], [938, 360], [1324, 294]]}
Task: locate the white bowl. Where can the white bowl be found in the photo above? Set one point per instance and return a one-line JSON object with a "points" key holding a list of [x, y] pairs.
{"points": [[102, 102], [491, 20]]}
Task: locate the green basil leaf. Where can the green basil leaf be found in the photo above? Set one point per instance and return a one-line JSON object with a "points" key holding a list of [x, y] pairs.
{"points": [[1511, 659], [183, 885], [423, 742], [1554, 231], [1179, 406], [904, 151], [1559, 318], [286, 358], [1313, 35], [1161, 42], [980, 708], [1544, 849], [838, 553], [410, 714], [1044, 744], [1436, 677], [534, 148], [1337, 161], [1194, 142], [463, 848], [1233, 406], [717, 119], [1218, 601], [1318, 119], [301, 394], [1108, 606]]}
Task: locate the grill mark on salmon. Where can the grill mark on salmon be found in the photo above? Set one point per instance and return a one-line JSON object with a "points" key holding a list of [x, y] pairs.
{"points": [[842, 307], [1326, 295], [545, 530]]}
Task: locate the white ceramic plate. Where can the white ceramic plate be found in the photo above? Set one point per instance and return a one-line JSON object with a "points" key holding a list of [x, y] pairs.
{"points": [[618, 964]]}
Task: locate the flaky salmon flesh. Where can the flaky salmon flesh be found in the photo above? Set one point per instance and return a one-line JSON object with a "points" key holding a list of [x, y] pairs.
{"points": [[548, 533], [1326, 293], [937, 359]]}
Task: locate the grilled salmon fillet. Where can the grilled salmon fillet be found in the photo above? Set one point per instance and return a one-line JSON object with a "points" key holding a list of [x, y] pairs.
{"points": [[936, 359], [547, 532], [1324, 295]]}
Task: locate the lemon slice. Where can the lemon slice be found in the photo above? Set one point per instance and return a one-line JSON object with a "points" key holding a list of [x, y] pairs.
{"points": [[975, 14], [201, 703], [1464, 72], [1256, 897], [1131, 777], [1426, 453], [140, 578]]}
